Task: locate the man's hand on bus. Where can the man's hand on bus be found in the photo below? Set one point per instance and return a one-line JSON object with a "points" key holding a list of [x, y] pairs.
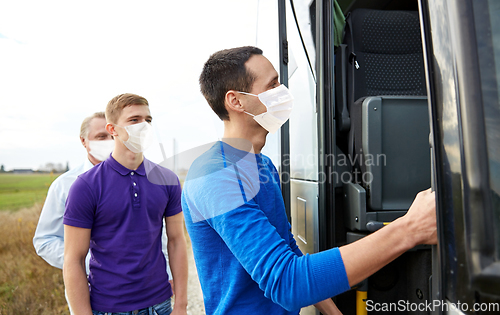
{"points": [[328, 307], [368, 255], [421, 218]]}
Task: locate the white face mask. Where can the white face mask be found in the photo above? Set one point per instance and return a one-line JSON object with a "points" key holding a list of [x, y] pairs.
{"points": [[101, 149], [140, 137], [279, 104]]}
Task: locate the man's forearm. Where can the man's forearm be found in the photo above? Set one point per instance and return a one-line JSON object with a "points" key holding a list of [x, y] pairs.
{"points": [[366, 256], [327, 307], [75, 281], [177, 253]]}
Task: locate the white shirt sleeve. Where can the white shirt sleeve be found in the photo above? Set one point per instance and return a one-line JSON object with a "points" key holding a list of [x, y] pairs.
{"points": [[49, 235]]}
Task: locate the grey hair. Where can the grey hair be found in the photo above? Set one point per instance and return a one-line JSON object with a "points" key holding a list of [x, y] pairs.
{"points": [[84, 129]]}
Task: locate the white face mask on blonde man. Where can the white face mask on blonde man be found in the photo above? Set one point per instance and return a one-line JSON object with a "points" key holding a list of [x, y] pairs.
{"points": [[140, 137]]}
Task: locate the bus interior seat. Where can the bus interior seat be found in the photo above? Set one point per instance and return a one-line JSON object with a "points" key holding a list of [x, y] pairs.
{"points": [[382, 107]]}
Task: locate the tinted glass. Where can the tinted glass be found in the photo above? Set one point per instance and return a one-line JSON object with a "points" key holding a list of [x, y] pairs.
{"points": [[305, 14], [487, 20]]}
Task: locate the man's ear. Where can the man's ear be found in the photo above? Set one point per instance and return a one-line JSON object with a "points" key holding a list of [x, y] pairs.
{"points": [[82, 140], [111, 129], [232, 102]]}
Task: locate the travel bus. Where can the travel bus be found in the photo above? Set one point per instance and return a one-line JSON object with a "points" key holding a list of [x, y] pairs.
{"points": [[403, 97]]}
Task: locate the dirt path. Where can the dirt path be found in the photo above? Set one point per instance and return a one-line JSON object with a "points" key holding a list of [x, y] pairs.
{"points": [[195, 296]]}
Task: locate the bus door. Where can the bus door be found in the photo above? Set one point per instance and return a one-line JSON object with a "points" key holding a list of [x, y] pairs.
{"points": [[462, 50]]}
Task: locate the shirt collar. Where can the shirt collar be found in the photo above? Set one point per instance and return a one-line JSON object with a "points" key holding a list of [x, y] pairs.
{"points": [[123, 170]]}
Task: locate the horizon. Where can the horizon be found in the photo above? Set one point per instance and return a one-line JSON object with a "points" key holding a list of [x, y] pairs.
{"points": [[64, 61]]}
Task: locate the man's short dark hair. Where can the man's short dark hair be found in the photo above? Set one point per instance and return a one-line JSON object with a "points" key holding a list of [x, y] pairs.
{"points": [[225, 70]]}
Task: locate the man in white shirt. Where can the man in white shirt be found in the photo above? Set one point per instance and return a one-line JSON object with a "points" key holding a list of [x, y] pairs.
{"points": [[49, 235]]}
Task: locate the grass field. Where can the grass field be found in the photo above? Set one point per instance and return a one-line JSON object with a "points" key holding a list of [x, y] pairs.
{"points": [[28, 285], [23, 190]]}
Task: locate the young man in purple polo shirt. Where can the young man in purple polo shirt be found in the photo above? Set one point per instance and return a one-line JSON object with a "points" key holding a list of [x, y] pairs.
{"points": [[119, 212]]}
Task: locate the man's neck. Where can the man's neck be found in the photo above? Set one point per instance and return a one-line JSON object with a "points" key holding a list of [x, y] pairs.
{"points": [[92, 159], [256, 136], [126, 157]]}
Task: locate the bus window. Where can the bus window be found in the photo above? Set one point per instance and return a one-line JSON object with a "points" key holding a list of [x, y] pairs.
{"points": [[303, 121], [305, 14]]}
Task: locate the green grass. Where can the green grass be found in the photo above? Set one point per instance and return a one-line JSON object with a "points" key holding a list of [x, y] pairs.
{"points": [[23, 190]]}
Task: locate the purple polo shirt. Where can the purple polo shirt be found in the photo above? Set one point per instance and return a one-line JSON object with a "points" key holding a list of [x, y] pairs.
{"points": [[125, 212]]}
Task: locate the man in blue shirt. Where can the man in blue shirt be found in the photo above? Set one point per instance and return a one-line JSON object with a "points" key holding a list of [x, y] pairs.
{"points": [[247, 259], [116, 209]]}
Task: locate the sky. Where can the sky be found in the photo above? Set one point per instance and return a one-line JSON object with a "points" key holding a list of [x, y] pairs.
{"points": [[61, 61]]}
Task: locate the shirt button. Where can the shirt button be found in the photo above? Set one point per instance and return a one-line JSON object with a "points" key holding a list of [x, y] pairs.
{"points": [[131, 173], [135, 194], [135, 184]]}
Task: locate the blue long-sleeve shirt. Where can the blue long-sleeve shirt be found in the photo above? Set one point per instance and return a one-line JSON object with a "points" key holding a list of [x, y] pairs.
{"points": [[247, 259]]}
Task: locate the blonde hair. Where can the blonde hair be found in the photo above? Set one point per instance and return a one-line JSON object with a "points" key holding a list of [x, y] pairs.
{"points": [[118, 103], [84, 129]]}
